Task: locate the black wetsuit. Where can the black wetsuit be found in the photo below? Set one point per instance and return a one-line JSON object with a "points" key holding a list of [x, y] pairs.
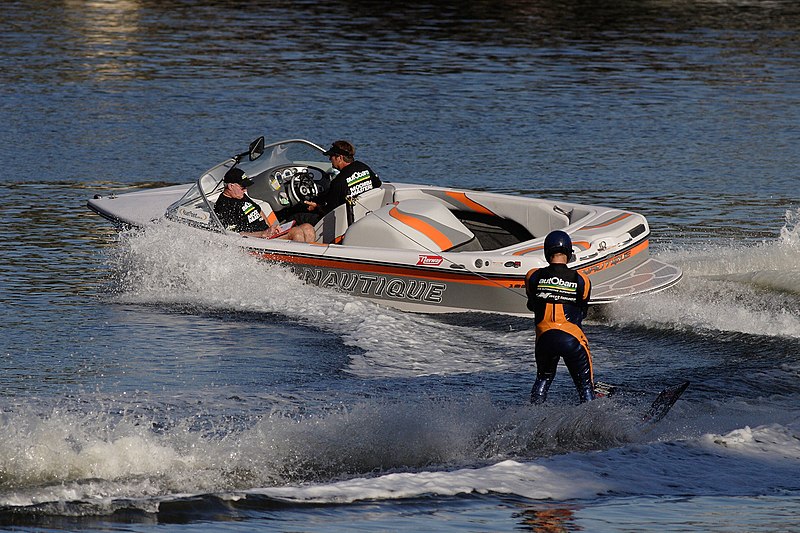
{"points": [[559, 299], [354, 179], [241, 215]]}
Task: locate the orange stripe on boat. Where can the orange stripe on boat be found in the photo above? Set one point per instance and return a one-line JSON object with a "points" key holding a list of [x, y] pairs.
{"points": [[623, 216], [528, 250], [473, 205], [426, 229], [583, 244], [609, 262]]}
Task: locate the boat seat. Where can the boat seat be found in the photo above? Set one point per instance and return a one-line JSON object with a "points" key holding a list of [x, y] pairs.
{"points": [[267, 209], [424, 225], [537, 218], [332, 227]]}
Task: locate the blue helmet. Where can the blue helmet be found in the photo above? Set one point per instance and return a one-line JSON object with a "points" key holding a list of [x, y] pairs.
{"points": [[557, 242]]}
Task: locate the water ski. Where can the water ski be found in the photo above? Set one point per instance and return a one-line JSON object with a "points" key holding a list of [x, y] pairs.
{"points": [[660, 406], [663, 403]]}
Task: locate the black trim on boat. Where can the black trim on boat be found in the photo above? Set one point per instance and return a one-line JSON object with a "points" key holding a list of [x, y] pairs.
{"points": [[638, 230]]}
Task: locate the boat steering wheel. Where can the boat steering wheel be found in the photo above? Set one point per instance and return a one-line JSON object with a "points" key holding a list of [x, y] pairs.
{"points": [[302, 187]]}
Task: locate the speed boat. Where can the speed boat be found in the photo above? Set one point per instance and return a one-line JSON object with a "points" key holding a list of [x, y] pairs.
{"points": [[418, 248]]}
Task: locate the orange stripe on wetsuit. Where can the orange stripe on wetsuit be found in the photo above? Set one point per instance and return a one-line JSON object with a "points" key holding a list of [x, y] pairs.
{"points": [[556, 319], [554, 316]]}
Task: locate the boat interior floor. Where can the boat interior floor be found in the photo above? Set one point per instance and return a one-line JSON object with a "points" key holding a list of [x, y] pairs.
{"points": [[491, 232]]}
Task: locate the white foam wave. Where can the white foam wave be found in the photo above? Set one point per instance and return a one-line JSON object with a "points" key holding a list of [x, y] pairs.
{"points": [[750, 289], [531, 480], [175, 265], [545, 452], [767, 457], [68, 456]]}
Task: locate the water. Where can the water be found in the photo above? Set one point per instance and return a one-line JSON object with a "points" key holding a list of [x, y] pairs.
{"points": [[154, 378]]}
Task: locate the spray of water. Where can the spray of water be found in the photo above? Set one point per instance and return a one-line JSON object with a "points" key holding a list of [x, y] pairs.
{"points": [[69, 456], [752, 289]]}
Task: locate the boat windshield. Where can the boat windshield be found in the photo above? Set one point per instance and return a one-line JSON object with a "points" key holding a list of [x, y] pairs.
{"points": [[196, 206], [293, 152]]}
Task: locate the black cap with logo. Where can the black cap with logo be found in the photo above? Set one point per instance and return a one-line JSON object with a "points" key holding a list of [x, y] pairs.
{"points": [[237, 175]]}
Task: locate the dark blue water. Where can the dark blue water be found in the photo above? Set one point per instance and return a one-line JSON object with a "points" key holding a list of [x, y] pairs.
{"points": [[154, 378]]}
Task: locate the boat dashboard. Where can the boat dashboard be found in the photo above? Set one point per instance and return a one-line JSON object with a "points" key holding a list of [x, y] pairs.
{"points": [[287, 186]]}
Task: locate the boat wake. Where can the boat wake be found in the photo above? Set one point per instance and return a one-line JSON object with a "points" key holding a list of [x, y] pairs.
{"points": [[100, 456], [79, 465], [732, 288], [169, 264]]}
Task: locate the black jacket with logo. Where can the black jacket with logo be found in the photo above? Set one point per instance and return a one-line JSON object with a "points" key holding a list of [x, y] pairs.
{"points": [[354, 179]]}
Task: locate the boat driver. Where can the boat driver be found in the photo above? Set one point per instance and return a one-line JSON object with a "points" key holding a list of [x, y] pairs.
{"points": [[354, 178], [559, 299], [238, 212]]}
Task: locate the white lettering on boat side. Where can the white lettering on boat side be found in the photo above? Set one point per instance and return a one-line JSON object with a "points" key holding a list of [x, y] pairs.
{"points": [[374, 285]]}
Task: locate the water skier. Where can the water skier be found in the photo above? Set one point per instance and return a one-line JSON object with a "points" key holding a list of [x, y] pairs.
{"points": [[559, 299]]}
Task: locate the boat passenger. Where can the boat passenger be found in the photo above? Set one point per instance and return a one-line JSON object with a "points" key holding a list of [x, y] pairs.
{"points": [[559, 299], [354, 178], [238, 212]]}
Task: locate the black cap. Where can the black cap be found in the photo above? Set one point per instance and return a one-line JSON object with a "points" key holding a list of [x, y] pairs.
{"points": [[237, 175], [335, 149]]}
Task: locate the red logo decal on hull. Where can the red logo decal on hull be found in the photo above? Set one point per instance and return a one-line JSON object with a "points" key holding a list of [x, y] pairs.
{"points": [[430, 260]]}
